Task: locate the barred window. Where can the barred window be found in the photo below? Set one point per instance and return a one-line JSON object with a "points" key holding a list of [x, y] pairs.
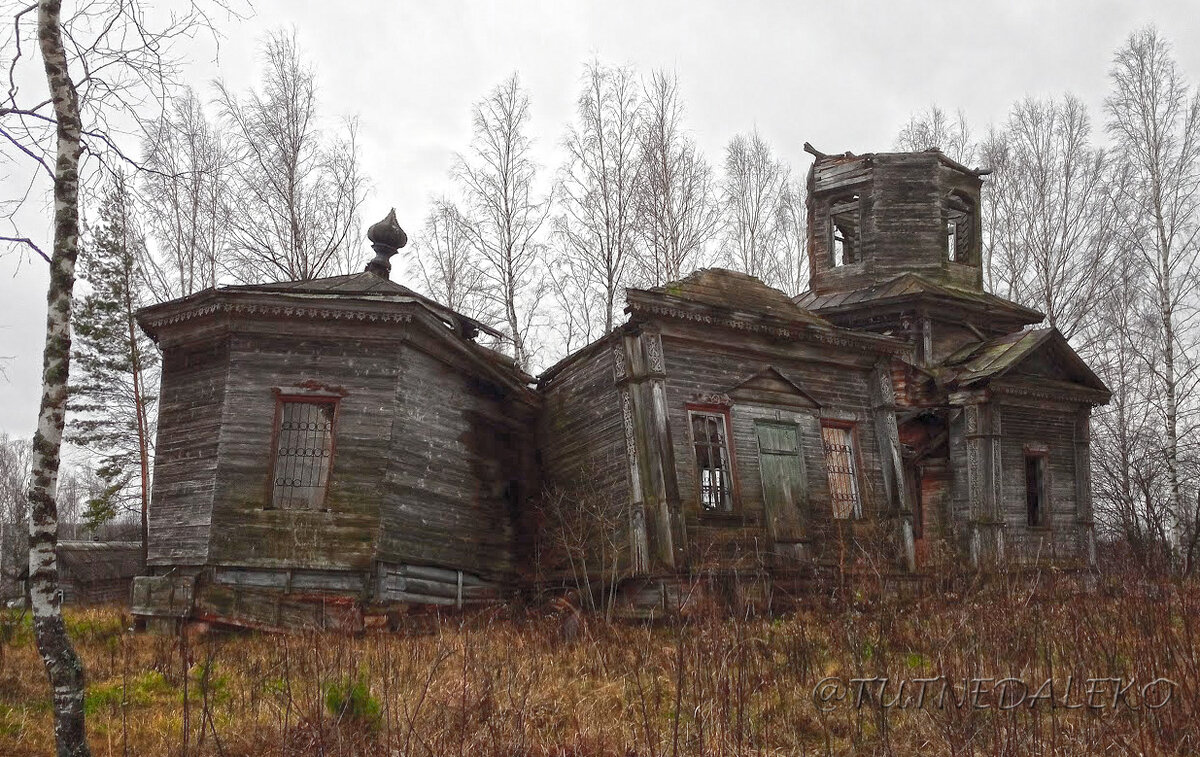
{"points": [[303, 453], [714, 472], [841, 462]]}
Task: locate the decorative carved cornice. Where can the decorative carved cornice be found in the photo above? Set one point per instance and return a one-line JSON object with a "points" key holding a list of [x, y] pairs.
{"points": [[281, 311]]}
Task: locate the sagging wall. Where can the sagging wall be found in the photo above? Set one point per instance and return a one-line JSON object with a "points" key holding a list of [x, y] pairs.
{"points": [[695, 371], [460, 470], [585, 463], [190, 405]]}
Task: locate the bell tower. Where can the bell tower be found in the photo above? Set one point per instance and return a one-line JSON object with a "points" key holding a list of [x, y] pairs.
{"points": [[895, 246]]}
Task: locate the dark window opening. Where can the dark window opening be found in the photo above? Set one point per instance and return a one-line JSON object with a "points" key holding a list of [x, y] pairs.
{"points": [[843, 230], [714, 472], [841, 463], [303, 453], [1035, 490], [960, 228]]}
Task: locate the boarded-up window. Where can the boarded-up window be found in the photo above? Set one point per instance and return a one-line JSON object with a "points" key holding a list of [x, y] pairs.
{"points": [[303, 453], [710, 437], [841, 463], [1035, 490], [785, 487]]}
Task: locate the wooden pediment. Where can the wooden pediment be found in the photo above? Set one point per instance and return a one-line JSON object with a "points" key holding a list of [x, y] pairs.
{"points": [[772, 387]]}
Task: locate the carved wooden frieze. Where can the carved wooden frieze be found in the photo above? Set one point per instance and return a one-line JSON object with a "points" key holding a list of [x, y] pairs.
{"points": [[620, 366], [652, 343]]}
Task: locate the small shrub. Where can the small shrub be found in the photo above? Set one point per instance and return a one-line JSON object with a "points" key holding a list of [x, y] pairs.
{"points": [[351, 701]]}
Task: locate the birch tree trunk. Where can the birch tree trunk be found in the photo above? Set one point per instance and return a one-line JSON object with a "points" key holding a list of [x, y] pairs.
{"points": [[63, 666]]}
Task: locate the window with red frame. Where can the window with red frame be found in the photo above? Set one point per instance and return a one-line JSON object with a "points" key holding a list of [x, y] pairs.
{"points": [[841, 462]]}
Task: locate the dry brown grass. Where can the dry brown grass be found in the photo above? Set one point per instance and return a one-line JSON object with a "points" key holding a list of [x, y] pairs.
{"points": [[504, 682]]}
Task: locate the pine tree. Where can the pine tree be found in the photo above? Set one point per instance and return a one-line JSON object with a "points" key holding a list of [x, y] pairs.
{"points": [[113, 357]]}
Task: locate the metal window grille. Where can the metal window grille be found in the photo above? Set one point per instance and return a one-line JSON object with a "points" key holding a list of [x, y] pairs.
{"points": [[303, 455], [712, 462], [843, 471]]}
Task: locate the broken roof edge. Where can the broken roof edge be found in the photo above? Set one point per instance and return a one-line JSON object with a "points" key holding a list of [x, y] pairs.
{"points": [[1025, 343], [869, 156], [817, 329]]}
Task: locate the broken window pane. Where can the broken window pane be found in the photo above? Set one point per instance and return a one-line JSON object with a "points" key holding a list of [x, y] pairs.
{"points": [[840, 461], [303, 454], [709, 435]]}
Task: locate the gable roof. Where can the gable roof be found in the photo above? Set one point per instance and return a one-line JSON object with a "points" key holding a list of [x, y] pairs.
{"points": [[986, 361], [908, 286]]}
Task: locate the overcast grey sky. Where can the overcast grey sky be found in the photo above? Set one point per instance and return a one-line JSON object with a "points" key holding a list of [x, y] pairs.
{"points": [[844, 76]]}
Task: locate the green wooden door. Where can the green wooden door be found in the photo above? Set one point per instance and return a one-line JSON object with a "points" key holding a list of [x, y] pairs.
{"points": [[785, 485]]}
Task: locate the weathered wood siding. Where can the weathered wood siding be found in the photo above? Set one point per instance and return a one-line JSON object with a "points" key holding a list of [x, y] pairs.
{"points": [[584, 460], [580, 429], [700, 364], [1055, 429], [361, 358], [458, 474], [191, 398]]}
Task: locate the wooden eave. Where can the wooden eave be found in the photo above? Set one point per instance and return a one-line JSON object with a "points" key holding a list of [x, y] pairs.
{"points": [[363, 308], [811, 329], [991, 363]]}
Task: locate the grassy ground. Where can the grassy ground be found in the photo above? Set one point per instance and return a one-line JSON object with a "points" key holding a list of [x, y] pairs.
{"points": [[509, 682]]}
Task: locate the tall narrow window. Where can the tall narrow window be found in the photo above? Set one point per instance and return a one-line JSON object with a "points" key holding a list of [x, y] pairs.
{"points": [[960, 228], [843, 230], [710, 437], [303, 452], [841, 463], [1035, 490]]}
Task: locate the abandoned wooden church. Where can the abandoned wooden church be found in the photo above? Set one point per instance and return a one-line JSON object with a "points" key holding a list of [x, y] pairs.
{"points": [[332, 449]]}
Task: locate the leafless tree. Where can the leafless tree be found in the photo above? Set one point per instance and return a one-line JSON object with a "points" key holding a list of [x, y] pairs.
{"points": [[1154, 119], [752, 194], [788, 268], [1056, 224], [14, 483], [105, 63], [580, 304], [503, 211], [447, 264], [934, 128], [1128, 469], [599, 185], [296, 191], [186, 200], [677, 207]]}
